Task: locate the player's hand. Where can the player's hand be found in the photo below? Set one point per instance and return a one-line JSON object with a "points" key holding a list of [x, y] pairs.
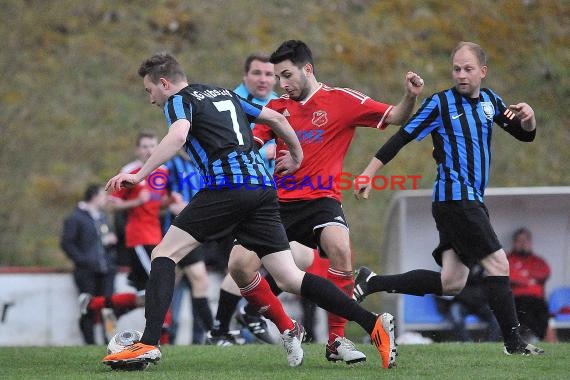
{"points": [[121, 180], [414, 84], [285, 164], [523, 111], [270, 151], [362, 187]]}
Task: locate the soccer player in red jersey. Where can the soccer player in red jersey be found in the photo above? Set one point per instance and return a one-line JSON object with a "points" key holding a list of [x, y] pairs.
{"points": [[143, 203], [324, 119]]}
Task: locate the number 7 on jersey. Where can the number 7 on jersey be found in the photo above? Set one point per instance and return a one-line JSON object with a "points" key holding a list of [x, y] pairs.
{"points": [[227, 105]]}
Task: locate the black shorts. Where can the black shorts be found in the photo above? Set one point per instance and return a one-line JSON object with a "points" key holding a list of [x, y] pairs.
{"points": [[305, 220], [209, 251], [251, 216], [465, 227]]}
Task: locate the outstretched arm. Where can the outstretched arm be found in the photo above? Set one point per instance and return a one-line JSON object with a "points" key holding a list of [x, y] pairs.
{"points": [[413, 85], [168, 147], [526, 114], [519, 121], [363, 182]]}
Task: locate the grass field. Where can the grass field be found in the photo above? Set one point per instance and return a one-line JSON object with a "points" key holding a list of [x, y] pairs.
{"points": [[436, 361]]}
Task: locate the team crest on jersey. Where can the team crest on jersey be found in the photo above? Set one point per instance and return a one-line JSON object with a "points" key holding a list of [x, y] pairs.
{"points": [[319, 118], [488, 109]]}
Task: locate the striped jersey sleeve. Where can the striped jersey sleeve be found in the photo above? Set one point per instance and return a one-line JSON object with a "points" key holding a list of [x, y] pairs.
{"points": [[177, 108], [425, 120], [251, 110]]}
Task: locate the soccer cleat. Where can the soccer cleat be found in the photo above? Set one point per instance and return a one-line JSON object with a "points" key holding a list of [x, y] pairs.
{"points": [[135, 353], [344, 350], [256, 325], [291, 340], [360, 291], [84, 299], [383, 338], [522, 348], [221, 340]]}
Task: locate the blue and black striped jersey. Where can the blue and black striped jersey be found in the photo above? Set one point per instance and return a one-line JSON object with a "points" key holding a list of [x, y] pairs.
{"points": [[461, 130], [220, 141], [242, 91], [183, 177]]}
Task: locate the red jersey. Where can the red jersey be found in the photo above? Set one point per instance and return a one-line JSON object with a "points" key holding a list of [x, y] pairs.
{"points": [[325, 124], [143, 222], [528, 274]]}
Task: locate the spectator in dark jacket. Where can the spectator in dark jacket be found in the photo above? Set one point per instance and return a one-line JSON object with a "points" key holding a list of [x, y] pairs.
{"points": [[88, 241]]}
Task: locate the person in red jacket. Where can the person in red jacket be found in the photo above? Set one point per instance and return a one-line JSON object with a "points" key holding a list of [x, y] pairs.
{"points": [[529, 273]]}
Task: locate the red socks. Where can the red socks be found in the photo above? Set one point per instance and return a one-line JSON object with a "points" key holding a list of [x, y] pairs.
{"points": [[118, 301], [320, 265], [258, 293]]}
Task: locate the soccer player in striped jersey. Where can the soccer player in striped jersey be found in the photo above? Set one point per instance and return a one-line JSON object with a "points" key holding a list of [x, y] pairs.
{"points": [[460, 121], [238, 200], [257, 87], [325, 119]]}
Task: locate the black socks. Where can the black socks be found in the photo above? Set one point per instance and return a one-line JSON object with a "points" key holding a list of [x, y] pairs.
{"points": [[159, 289], [226, 307], [502, 303], [203, 312], [417, 282], [329, 297]]}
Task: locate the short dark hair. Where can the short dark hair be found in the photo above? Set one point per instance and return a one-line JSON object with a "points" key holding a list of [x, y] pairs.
{"points": [[262, 57], [475, 48], [91, 191], [294, 50], [522, 231], [162, 65], [145, 135]]}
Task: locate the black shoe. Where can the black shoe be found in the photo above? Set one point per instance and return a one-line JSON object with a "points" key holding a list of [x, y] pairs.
{"points": [[222, 340], [256, 325], [523, 348], [360, 291]]}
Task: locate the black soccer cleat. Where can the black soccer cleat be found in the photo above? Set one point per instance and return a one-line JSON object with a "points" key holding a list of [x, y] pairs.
{"points": [[360, 291], [256, 325]]}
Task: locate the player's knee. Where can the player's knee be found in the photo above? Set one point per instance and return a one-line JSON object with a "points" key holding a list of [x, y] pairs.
{"points": [[340, 258], [452, 286], [155, 253], [286, 284], [496, 264], [289, 280], [452, 290]]}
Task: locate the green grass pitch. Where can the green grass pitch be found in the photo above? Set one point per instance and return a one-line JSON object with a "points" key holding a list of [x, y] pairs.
{"points": [[436, 361]]}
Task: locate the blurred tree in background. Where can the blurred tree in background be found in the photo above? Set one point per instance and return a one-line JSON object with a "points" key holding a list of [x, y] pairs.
{"points": [[72, 103]]}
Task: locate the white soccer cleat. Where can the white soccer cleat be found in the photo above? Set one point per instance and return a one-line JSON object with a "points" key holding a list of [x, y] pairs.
{"points": [[291, 340], [342, 349]]}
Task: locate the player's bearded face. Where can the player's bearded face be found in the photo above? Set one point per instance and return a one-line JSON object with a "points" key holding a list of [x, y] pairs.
{"points": [[293, 80]]}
